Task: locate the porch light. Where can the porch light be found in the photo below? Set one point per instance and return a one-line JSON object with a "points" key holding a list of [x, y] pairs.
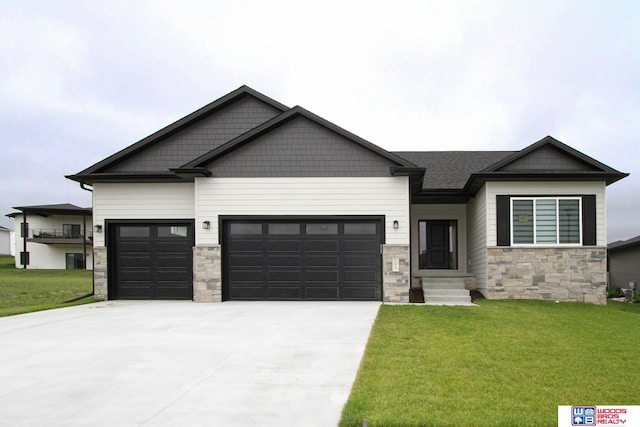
{"points": [[98, 228], [396, 225], [206, 225]]}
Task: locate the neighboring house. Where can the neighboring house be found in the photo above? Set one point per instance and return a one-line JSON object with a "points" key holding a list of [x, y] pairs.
{"points": [[53, 237], [5, 240], [249, 199], [624, 263]]}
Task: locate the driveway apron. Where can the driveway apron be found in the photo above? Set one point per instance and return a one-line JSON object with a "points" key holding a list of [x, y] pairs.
{"points": [[177, 363]]}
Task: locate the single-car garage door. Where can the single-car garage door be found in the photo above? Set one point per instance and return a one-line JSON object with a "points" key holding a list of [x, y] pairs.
{"points": [[151, 260], [314, 259]]}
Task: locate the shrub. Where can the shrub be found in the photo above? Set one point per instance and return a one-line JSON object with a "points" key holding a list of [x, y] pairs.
{"points": [[614, 292]]}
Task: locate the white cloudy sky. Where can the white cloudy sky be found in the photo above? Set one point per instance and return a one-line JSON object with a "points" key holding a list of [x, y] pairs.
{"points": [[80, 80]]}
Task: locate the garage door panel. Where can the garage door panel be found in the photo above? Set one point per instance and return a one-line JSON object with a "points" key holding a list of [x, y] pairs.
{"points": [[134, 247], [173, 261], [248, 293], [245, 245], [246, 276], [362, 276], [279, 276], [133, 276], [135, 292], [172, 276], [365, 245], [284, 292], [360, 260], [246, 260], [323, 293], [289, 260], [171, 292], [134, 260], [306, 259], [169, 246], [321, 260], [315, 245], [284, 245], [323, 276], [360, 293]]}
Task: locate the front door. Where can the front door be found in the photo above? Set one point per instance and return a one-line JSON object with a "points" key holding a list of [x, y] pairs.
{"points": [[438, 244]]}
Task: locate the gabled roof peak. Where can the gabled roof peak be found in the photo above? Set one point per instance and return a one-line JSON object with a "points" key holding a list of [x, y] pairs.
{"points": [[549, 141], [290, 114], [180, 124]]}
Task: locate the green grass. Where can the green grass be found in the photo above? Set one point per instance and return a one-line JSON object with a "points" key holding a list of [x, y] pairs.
{"points": [[505, 363], [24, 291]]}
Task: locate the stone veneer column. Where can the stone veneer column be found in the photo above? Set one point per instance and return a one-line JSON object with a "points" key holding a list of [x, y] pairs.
{"points": [[557, 274], [207, 274], [100, 289], [395, 273]]}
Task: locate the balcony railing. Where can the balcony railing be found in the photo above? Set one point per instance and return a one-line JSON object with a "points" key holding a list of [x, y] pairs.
{"points": [[55, 233]]}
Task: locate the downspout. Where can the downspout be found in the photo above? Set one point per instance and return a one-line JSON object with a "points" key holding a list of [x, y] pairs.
{"points": [[84, 242], [25, 233], [93, 262]]}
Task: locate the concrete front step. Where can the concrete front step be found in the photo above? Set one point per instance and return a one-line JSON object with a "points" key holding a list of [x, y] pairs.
{"points": [[447, 299], [445, 291]]}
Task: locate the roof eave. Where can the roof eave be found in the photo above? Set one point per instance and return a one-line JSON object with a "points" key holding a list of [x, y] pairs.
{"points": [[93, 178], [476, 180]]}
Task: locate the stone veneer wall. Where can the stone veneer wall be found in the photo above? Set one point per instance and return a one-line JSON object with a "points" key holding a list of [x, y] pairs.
{"points": [[207, 274], [557, 274], [395, 284], [100, 283]]}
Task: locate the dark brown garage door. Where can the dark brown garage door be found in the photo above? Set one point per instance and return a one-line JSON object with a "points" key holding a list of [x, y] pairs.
{"points": [[151, 260], [319, 259]]}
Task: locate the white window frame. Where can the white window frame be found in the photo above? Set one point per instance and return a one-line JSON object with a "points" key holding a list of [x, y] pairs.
{"points": [[535, 236]]}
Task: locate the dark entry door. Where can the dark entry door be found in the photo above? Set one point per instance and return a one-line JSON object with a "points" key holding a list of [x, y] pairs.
{"points": [[302, 259], [151, 260], [438, 245]]}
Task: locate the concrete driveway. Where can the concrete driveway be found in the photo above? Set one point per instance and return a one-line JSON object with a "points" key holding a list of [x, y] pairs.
{"points": [[173, 363]]}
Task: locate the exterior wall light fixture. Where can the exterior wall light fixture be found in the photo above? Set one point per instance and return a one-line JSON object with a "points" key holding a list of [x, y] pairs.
{"points": [[98, 228], [206, 225], [396, 225]]}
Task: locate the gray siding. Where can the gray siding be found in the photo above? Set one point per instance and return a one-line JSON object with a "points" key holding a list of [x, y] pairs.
{"points": [[547, 158], [624, 266], [477, 238], [200, 138], [300, 148]]}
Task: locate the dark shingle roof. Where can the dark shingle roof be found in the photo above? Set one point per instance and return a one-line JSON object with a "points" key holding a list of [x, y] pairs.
{"points": [[61, 208], [450, 170]]}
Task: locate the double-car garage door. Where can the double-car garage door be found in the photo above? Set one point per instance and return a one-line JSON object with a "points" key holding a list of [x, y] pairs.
{"points": [[324, 258], [314, 259]]}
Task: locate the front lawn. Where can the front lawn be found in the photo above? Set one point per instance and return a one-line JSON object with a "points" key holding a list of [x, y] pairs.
{"points": [[504, 363], [23, 291]]}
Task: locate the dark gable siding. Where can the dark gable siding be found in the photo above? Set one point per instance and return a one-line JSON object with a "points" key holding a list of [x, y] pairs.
{"points": [[201, 137], [300, 148], [546, 158]]}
